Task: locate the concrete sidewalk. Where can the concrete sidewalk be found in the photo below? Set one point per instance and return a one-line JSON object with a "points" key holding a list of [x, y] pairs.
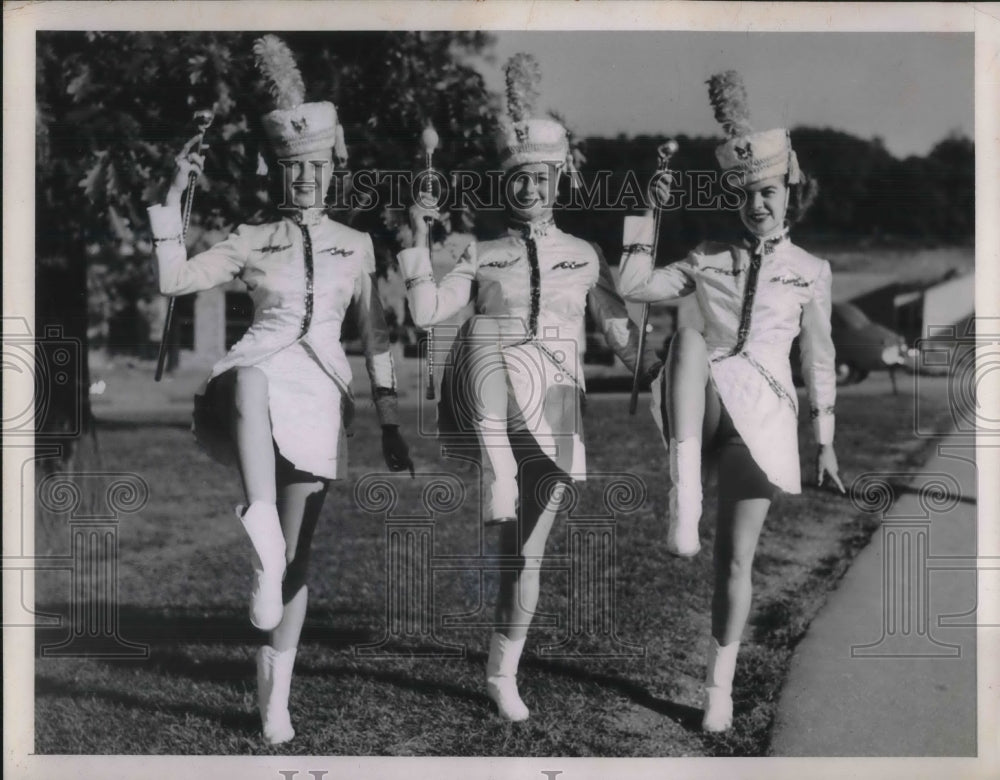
{"points": [[888, 667]]}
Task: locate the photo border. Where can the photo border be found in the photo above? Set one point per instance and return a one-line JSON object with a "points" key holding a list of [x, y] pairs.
{"points": [[22, 20]]}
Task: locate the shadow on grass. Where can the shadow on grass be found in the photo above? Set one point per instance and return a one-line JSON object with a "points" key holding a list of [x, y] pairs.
{"points": [[245, 723], [175, 639], [165, 627], [399, 679], [683, 715]]}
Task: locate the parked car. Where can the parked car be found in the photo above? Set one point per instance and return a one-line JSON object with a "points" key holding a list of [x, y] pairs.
{"points": [[862, 346]]}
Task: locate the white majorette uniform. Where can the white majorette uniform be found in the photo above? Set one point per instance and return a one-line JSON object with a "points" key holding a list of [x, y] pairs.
{"points": [[534, 285], [302, 273], [445, 255], [530, 291], [755, 298], [302, 278]]}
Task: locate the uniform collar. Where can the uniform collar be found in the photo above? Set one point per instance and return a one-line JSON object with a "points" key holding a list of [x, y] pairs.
{"points": [[765, 245], [307, 217], [533, 230]]}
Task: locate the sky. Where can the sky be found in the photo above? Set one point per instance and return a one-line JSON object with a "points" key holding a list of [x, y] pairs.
{"points": [[910, 89]]}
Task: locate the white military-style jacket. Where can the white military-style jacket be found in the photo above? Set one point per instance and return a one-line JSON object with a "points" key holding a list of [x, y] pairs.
{"points": [[535, 284], [302, 275], [755, 298]]}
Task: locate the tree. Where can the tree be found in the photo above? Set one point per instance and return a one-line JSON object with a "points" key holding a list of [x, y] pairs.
{"points": [[114, 108]]}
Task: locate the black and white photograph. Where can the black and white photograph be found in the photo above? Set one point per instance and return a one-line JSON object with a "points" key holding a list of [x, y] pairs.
{"points": [[474, 380]]}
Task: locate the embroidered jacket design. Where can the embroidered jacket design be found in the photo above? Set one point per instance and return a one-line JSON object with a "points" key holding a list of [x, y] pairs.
{"points": [[501, 263], [536, 286], [748, 297], [773, 383], [544, 349], [792, 279], [724, 271], [271, 248], [750, 291], [336, 251], [308, 252], [413, 281], [569, 265]]}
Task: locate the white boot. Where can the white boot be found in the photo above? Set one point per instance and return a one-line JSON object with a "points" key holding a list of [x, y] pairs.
{"points": [[684, 498], [501, 677], [274, 682], [719, 686], [263, 527]]}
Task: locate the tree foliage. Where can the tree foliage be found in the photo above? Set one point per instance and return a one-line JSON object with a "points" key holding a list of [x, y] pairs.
{"points": [[113, 109], [866, 195]]}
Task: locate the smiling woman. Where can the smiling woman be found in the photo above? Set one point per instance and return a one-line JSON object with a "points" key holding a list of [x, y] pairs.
{"points": [[730, 391], [513, 387], [279, 402]]}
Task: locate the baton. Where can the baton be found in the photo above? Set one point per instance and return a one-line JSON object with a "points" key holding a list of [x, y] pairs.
{"points": [[663, 153], [430, 140], [202, 119]]}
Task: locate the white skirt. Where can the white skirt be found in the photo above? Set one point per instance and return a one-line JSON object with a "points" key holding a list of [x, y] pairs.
{"points": [[306, 410], [763, 410], [306, 415]]}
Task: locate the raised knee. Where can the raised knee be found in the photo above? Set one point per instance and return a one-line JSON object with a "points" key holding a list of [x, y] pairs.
{"points": [[688, 340], [688, 353], [250, 388]]}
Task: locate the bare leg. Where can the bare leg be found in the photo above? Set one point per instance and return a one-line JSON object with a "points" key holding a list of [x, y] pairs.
{"points": [[251, 430], [692, 417], [487, 374], [744, 500], [299, 504], [736, 537], [251, 426], [519, 588], [516, 607], [692, 405]]}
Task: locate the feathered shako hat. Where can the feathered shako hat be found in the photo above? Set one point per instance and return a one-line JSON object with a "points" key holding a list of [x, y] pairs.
{"points": [[524, 138], [294, 127], [756, 155]]}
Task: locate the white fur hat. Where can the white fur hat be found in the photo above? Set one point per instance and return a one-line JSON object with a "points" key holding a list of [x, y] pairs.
{"points": [[756, 155], [295, 127], [524, 138]]}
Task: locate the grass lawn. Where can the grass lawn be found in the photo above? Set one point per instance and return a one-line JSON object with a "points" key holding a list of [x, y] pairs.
{"points": [[184, 578]]}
